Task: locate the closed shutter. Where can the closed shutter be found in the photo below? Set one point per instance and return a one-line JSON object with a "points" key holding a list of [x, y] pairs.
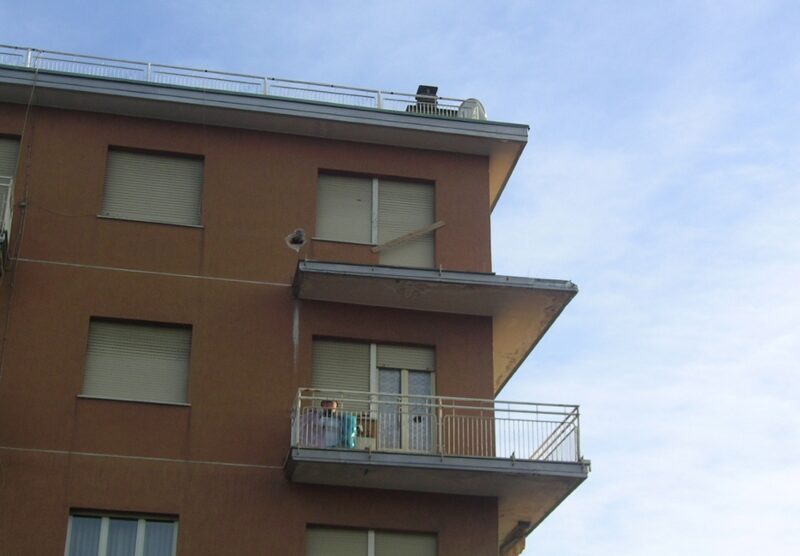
{"points": [[153, 188], [342, 366], [344, 209], [406, 357], [9, 152], [137, 361], [403, 544], [404, 208], [336, 542]]}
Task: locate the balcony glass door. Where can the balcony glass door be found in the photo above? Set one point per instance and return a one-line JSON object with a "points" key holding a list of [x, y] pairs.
{"points": [[405, 418]]}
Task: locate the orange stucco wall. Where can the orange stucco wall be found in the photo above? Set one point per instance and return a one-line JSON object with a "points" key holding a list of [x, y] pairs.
{"points": [[216, 464]]}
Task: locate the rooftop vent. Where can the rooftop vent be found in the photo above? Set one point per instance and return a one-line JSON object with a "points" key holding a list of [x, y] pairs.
{"points": [[426, 94]]}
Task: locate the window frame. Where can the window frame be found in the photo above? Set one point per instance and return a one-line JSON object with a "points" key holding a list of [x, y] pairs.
{"points": [[158, 153], [374, 367], [375, 208], [371, 535], [105, 520], [143, 323], [374, 394]]}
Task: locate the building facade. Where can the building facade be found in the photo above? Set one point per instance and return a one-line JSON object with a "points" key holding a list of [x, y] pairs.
{"points": [[240, 316]]}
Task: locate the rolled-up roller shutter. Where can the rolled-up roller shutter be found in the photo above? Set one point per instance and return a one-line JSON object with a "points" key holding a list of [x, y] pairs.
{"points": [[406, 357]]}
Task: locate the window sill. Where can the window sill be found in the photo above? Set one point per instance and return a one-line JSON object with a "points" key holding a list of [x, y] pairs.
{"points": [[128, 400], [142, 221], [329, 240]]}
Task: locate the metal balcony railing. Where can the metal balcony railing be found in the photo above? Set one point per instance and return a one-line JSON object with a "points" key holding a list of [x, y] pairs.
{"points": [[6, 207], [438, 425], [114, 68]]}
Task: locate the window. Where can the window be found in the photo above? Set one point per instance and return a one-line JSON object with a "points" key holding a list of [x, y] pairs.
{"points": [[399, 416], [377, 211], [328, 541], [137, 361], [99, 535], [153, 187], [9, 152]]}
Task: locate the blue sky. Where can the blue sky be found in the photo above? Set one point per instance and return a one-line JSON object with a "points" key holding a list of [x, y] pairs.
{"points": [[661, 176]]}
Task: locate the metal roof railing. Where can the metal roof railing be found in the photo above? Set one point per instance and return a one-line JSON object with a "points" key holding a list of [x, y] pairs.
{"points": [[114, 68]]}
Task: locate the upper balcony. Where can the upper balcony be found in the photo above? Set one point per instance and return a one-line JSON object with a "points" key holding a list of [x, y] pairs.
{"points": [[527, 455], [522, 309], [421, 120]]}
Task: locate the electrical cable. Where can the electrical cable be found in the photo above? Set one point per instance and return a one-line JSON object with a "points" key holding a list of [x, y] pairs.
{"points": [[24, 140]]}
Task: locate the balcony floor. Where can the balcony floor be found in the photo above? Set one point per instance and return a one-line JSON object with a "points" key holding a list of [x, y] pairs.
{"points": [[527, 491]]}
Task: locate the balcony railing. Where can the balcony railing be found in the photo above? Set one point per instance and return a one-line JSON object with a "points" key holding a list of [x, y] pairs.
{"points": [[6, 206], [114, 68], [444, 426]]}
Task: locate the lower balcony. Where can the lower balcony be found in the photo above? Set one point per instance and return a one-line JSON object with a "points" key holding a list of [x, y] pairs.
{"points": [[527, 455]]}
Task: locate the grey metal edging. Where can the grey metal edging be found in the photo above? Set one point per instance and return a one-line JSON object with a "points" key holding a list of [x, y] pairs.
{"points": [[437, 462], [431, 275], [259, 103]]}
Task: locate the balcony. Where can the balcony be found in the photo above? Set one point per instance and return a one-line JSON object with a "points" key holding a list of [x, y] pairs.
{"points": [[6, 214], [522, 309], [527, 455]]}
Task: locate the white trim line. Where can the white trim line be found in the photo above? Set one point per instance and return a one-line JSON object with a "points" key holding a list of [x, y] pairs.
{"points": [[102, 549], [330, 240], [371, 542], [145, 221], [153, 272], [143, 458]]}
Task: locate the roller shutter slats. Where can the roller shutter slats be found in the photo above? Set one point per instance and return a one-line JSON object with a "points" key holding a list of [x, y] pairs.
{"points": [[403, 208], [335, 542], [344, 209], [153, 188], [137, 362], [406, 357], [341, 366], [403, 544], [9, 153]]}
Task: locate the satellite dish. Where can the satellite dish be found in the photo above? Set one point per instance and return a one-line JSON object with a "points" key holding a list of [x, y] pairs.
{"points": [[472, 109]]}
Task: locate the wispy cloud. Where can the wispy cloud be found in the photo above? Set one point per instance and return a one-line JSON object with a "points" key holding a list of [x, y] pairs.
{"points": [[661, 176], [681, 223]]}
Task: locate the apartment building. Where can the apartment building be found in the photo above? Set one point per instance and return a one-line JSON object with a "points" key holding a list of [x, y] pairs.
{"points": [[242, 315]]}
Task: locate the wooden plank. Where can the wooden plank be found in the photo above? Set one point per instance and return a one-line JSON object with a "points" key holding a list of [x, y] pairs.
{"points": [[406, 237]]}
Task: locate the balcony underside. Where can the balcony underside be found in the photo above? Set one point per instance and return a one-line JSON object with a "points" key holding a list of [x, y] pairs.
{"points": [[527, 491], [523, 309]]}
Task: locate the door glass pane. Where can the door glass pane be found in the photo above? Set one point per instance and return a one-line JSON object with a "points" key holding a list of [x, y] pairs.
{"points": [[84, 536], [122, 537], [420, 414], [158, 538], [389, 431]]}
